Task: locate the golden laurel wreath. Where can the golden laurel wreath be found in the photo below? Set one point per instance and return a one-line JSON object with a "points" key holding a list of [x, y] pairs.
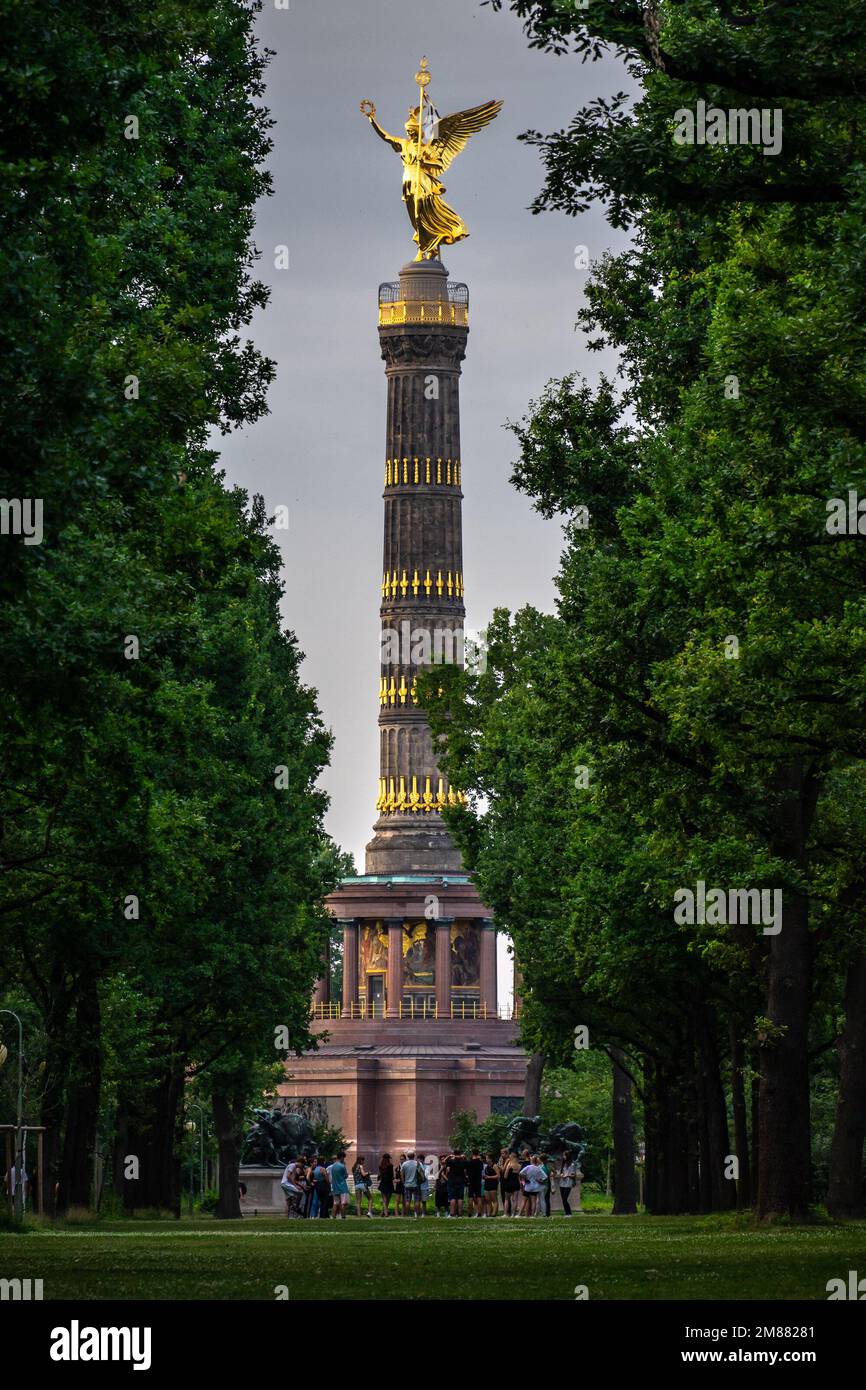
{"points": [[368, 108]]}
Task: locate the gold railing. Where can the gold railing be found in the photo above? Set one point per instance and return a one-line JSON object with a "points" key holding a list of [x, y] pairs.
{"points": [[327, 1010], [461, 1009], [424, 311], [421, 1009]]}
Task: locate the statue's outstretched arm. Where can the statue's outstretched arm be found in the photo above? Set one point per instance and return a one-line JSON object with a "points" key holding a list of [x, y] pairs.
{"points": [[383, 135]]}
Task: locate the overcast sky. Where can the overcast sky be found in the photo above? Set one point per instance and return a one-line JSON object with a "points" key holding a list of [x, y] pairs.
{"points": [[337, 206]]}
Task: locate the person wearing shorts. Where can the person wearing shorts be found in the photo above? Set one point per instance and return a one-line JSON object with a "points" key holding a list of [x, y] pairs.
{"points": [[455, 1172], [339, 1175], [363, 1185], [412, 1171], [474, 1179], [531, 1180], [490, 1178], [510, 1183]]}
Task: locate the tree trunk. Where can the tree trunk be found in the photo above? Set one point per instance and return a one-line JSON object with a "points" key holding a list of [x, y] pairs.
{"points": [[532, 1090], [784, 1171], [784, 1145], [756, 1120], [82, 1103], [57, 1053], [155, 1140], [666, 1127], [845, 1195], [121, 1148], [624, 1184], [228, 1114], [722, 1193], [738, 1106]]}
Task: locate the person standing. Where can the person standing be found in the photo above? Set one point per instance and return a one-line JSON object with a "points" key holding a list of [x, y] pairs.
{"points": [[321, 1190], [386, 1183], [411, 1171], [399, 1190], [531, 1177], [363, 1185], [455, 1172], [474, 1182], [578, 1182], [490, 1178], [567, 1179], [339, 1175], [306, 1168], [442, 1188], [423, 1183], [544, 1194], [511, 1184]]}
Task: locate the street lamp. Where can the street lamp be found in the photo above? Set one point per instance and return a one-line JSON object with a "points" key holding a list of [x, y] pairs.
{"points": [[191, 1126], [19, 1123]]}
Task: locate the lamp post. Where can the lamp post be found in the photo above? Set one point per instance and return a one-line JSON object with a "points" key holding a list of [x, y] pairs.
{"points": [[191, 1126], [19, 1122]]}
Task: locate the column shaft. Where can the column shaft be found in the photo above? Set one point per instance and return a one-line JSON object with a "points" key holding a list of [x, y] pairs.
{"points": [[488, 967], [350, 966], [443, 967], [394, 986]]}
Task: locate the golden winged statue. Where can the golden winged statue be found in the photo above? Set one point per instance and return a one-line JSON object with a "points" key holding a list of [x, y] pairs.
{"points": [[431, 144]]}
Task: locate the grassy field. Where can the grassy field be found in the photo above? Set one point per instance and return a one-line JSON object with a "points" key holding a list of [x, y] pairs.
{"points": [[615, 1258]]}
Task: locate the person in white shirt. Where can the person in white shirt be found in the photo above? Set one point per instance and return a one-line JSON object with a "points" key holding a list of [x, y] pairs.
{"points": [[531, 1181], [568, 1180], [289, 1184]]}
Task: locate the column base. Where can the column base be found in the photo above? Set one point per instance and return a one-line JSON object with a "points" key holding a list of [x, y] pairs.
{"points": [[409, 844]]}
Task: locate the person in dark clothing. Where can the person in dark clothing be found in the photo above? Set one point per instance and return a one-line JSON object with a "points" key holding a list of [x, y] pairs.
{"points": [[474, 1179], [442, 1187], [456, 1173], [386, 1183], [490, 1178], [321, 1190]]}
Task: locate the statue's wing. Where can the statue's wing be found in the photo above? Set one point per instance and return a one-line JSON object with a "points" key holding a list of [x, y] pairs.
{"points": [[453, 131]]}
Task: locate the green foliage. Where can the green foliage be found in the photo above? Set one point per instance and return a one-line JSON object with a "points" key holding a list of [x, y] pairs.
{"points": [[487, 1136], [330, 1140], [161, 889], [736, 314], [583, 1093]]}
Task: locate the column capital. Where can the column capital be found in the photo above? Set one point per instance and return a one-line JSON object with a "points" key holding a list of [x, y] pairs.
{"points": [[393, 922], [488, 924], [444, 921]]}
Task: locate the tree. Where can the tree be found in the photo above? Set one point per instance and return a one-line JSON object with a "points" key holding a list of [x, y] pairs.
{"points": [[706, 660]]}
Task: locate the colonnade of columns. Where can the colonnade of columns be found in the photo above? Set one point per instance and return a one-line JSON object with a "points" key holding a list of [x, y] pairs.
{"points": [[394, 972]]}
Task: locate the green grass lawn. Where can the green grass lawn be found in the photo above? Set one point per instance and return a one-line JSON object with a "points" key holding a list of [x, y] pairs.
{"points": [[640, 1257]]}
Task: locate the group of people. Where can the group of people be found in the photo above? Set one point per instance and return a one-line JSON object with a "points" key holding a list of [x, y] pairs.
{"points": [[474, 1185]]}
